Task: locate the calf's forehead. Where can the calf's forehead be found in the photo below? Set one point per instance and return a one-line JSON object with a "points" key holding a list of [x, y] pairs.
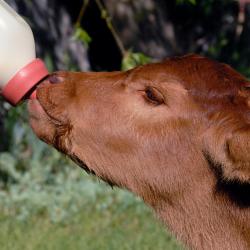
{"points": [[194, 73]]}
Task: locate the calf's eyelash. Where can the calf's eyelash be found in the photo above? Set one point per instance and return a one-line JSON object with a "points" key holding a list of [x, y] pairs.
{"points": [[154, 96]]}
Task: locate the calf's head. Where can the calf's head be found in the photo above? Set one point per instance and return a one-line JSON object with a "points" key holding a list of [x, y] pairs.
{"points": [[158, 130]]}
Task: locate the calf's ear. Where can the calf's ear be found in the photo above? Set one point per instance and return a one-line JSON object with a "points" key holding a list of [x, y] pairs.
{"points": [[238, 152], [228, 153]]}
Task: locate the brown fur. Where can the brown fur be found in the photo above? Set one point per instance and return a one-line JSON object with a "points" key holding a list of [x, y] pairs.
{"points": [[176, 133]]}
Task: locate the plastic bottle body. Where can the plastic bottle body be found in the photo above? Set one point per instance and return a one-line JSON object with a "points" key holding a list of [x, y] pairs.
{"points": [[17, 46], [20, 71]]}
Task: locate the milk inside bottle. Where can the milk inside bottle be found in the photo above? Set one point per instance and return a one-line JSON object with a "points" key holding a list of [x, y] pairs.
{"points": [[20, 71]]}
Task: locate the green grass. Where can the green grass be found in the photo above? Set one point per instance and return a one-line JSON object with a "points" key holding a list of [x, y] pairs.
{"points": [[91, 229]]}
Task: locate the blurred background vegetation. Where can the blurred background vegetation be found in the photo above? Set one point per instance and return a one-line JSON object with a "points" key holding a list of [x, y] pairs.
{"points": [[46, 202]]}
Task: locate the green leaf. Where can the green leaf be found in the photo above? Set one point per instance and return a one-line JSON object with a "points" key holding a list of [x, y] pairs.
{"points": [[82, 35], [192, 2], [104, 14], [186, 1], [132, 60]]}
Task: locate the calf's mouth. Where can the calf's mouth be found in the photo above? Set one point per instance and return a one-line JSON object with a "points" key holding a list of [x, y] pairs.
{"points": [[48, 127]]}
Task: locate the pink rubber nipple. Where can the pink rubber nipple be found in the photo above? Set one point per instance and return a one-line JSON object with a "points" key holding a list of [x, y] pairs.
{"points": [[24, 81]]}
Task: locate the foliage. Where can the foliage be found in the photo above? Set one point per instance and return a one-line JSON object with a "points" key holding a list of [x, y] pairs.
{"points": [[82, 35], [91, 229], [186, 1], [132, 60]]}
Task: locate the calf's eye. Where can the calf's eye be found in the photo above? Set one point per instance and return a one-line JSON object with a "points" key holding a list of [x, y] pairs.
{"points": [[154, 96]]}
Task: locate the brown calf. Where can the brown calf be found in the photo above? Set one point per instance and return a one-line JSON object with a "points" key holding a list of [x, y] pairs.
{"points": [[176, 133]]}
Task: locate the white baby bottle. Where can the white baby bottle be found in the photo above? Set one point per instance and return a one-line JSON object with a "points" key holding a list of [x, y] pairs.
{"points": [[20, 70]]}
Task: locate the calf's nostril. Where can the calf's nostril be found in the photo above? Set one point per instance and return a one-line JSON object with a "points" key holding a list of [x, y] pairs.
{"points": [[53, 79]]}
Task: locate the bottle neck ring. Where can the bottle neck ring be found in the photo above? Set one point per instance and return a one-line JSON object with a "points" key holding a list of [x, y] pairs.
{"points": [[24, 81]]}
